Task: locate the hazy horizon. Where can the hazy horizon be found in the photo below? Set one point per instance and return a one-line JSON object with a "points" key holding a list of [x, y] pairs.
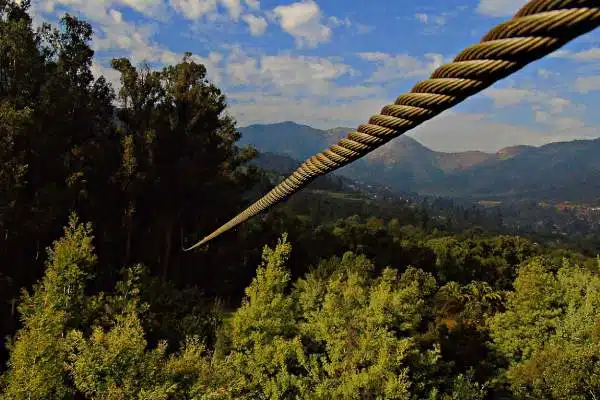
{"points": [[428, 139]]}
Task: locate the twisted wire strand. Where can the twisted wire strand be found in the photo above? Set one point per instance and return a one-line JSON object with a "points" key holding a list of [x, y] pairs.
{"points": [[536, 30]]}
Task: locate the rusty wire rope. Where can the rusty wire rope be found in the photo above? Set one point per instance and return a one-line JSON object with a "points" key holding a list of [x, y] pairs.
{"points": [[538, 29]]}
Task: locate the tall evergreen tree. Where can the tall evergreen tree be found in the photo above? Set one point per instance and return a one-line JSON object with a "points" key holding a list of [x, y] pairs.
{"points": [[58, 148], [181, 168]]}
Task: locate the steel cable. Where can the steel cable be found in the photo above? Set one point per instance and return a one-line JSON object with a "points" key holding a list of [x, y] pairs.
{"points": [[538, 29]]}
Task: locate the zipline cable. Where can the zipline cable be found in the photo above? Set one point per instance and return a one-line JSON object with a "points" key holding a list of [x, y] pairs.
{"points": [[538, 29]]}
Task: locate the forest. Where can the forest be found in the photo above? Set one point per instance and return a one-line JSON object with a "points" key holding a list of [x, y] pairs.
{"points": [[330, 295]]}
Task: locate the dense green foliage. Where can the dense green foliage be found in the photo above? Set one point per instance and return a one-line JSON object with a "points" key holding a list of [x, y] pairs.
{"points": [[380, 298], [346, 329]]}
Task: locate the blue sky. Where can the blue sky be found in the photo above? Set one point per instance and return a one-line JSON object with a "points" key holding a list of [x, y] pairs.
{"points": [[329, 63]]}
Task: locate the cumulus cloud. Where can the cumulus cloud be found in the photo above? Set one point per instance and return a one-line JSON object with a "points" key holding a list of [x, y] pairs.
{"points": [[195, 9], [256, 24], [109, 74], [242, 69], [115, 33], [117, 37], [392, 67], [592, 54], [507, 97], [500, 8], [589, 55], [155, 9], [253, 4], [286, 73], [587, 62], [234, 8], [557, 113], [151, 8], [266, 88], [298, 71], [586, 84], [303, 20]]}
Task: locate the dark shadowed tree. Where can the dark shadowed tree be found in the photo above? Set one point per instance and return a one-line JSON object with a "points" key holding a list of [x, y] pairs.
{"points": [[58, 148], [181, 169]]}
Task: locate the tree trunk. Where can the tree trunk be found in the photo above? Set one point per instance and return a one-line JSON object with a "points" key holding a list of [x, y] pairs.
{"points": [[168, 248], [129, 228], [128, 240]]}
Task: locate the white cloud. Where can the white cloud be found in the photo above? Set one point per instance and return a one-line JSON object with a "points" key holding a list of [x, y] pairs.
{"points": [[394, 67], [299, 71], [544, 73], [422, 17], [116, 16], [303, 89], [586, 84], [110, 74], [276, 108], [234, 8], [558, 114], [117, 37], [457, 131], [113, 32], [566, 124], [287, 74], [430, 19], [242, 69], [507, 97], [560, 53], [151, 8], [303, 20], [256, 24], [589, 55], [194, 9], [587, 68], [273, 88], [132, 41], [592, 54], [359, 91], [500, 8], [359, 28], [335, 21], [253, 4], [155, 9]]}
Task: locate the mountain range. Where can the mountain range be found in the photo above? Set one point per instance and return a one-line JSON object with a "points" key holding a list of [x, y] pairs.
{"points": [[564, 171]]}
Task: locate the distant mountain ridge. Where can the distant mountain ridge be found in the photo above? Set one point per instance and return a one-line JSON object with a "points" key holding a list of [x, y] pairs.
{"points": [[406, 165]]}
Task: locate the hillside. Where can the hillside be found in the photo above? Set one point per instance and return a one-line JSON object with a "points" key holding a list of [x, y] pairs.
{"points": [[288, 138], [406, 165], [556, 171], [402, 163], [279, 166]]}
